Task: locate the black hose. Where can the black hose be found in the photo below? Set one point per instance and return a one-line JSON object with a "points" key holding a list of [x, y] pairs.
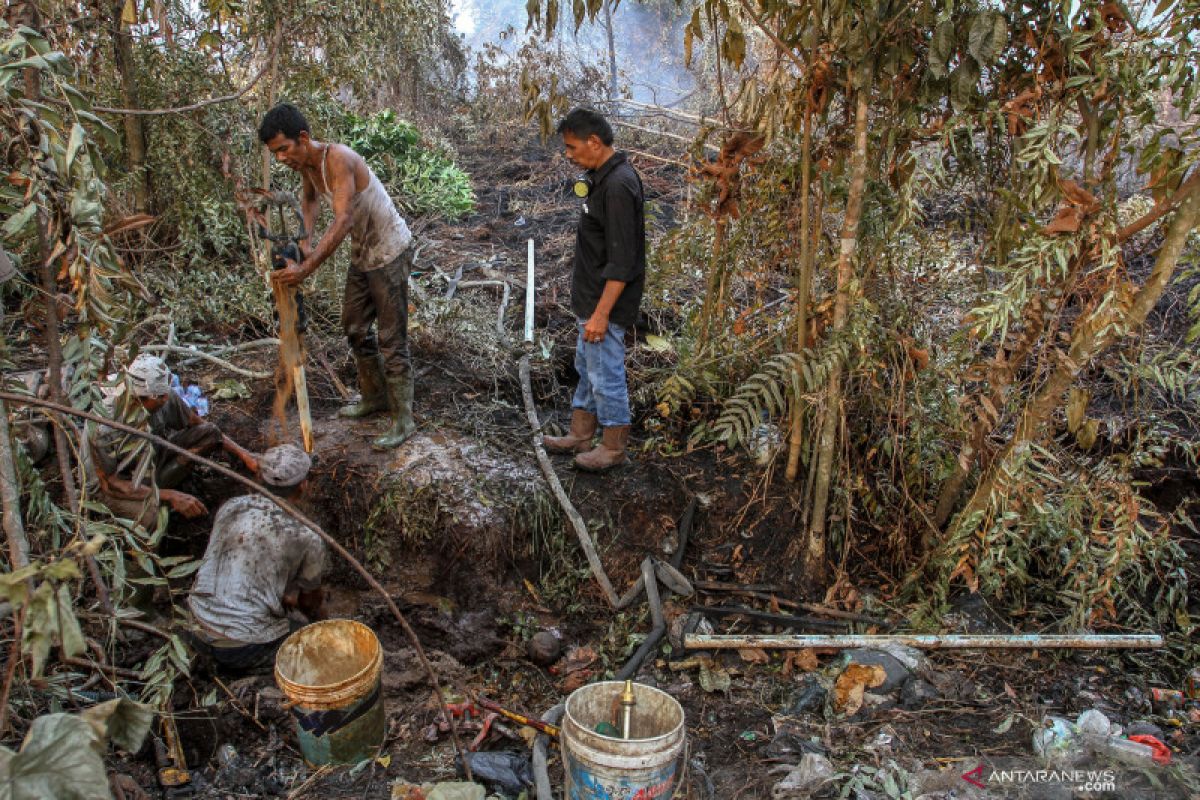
{"points": [[656, 632], [541, 773], [685, 530]]}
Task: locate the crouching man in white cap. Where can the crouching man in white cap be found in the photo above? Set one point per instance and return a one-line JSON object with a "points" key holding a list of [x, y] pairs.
{"points": [[177, 422], [121, 467], [260, 563]]}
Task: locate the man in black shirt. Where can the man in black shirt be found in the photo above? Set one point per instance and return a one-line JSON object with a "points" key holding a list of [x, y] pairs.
{"points": [[606, 288]]}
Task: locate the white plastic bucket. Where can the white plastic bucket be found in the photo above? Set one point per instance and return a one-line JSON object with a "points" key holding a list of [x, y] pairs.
{"points": [[643, 767]]}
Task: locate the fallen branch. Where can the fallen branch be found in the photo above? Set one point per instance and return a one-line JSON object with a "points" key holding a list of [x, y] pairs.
{"points": [[116, 672], [145, 627], [220, 362], [342, 389], [766, 592], [785, 620], [239, 706], [949, 641], [581, 531], [287, 508]]}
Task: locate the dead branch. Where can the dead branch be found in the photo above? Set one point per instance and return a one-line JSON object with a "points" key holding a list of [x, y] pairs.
{"points": [[220, 362], [581, 531]]}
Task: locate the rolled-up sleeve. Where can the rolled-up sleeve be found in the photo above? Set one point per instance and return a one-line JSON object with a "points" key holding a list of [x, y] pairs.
{"points": [[622, 231]]}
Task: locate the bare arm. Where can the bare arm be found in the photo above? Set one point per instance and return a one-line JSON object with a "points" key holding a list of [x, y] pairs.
{"points": [[597, 324], [341, 171], [310, 206], [123, 489]]}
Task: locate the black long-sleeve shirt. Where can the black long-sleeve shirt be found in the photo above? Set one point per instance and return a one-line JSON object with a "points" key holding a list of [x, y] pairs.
{"points": [[610, 242]]}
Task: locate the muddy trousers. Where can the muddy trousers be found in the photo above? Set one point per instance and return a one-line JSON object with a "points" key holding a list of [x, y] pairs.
{"points": [[379, 296], [170, 468]]}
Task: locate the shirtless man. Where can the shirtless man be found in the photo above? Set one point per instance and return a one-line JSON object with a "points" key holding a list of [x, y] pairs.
{"points": [[380, 260]]}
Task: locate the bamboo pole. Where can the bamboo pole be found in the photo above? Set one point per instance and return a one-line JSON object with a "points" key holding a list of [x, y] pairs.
{"points": [[529, 294], [948, 641]]}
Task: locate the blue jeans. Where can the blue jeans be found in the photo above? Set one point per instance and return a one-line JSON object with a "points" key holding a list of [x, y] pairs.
{"points": [[601, 366]]}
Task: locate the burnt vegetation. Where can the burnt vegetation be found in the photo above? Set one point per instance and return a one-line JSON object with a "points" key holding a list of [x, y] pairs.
{"points": [[918, 352]]}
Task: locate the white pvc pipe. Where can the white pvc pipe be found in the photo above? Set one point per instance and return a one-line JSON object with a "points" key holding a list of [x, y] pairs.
{"points": [[529, 297]]}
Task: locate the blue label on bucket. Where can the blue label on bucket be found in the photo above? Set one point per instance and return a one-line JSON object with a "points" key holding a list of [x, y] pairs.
{"points": [[586, 785]]}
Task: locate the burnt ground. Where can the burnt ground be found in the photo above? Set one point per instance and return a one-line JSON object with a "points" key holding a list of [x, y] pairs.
{"points": [[458, 527]]}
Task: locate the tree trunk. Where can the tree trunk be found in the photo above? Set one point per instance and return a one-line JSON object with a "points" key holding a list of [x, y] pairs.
{"points": [[135, 132], [1092, 336], [814, 554], [612, 58], [33, 91], [803, 289], [10, 496], [272, 84]]}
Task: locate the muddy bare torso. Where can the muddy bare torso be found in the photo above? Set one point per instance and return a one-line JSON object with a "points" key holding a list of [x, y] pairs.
{"points": [[378, 234]]}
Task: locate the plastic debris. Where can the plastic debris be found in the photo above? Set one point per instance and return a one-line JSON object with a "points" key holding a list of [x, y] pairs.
{"points": [[1162, 753], [502, 770], [810, 697], [1061, 741], [1056, 738], [1093, 723], [192, 395], [812, 771]]}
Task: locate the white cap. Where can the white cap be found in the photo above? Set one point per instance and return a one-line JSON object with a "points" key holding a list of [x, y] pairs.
{"points": [[284, 465], [149, 376]]}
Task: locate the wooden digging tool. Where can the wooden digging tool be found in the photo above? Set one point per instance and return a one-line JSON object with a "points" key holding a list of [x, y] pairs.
{"points": [[291, 341]]}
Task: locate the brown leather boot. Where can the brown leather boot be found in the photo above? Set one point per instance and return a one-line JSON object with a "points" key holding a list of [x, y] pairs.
{"points": [[579, 440], [609, 453]]}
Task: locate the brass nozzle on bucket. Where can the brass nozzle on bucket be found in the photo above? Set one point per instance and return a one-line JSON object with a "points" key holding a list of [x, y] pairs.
{"points": [[628, 701]]}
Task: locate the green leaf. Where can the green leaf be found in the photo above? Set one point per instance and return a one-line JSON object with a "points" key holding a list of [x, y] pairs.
{"points": [[60, 758], [987, 38], [72, 637], [122, 721], [41, 626], [940, 49], [73, 145], [962, 83], [16, 224], [658, 344], [183, 570]]}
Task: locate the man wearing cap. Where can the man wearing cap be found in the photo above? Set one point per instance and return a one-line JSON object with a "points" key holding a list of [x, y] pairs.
{"points": [[606, 288], [260, 563], [119, 464]]}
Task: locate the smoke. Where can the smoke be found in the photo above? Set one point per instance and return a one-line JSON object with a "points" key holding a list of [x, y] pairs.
{"points": [[648, 42]]}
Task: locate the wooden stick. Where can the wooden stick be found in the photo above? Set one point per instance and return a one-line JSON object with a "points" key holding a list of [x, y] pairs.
{"points": [[220, 362], [766, 592], [785, 620]]}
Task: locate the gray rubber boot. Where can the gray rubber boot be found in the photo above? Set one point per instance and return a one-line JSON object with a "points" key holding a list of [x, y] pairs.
{"points": [[371, 387], [400, 392]]}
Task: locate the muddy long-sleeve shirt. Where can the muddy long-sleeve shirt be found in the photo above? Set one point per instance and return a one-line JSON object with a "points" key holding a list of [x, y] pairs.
{"points": [[610, 242]]}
